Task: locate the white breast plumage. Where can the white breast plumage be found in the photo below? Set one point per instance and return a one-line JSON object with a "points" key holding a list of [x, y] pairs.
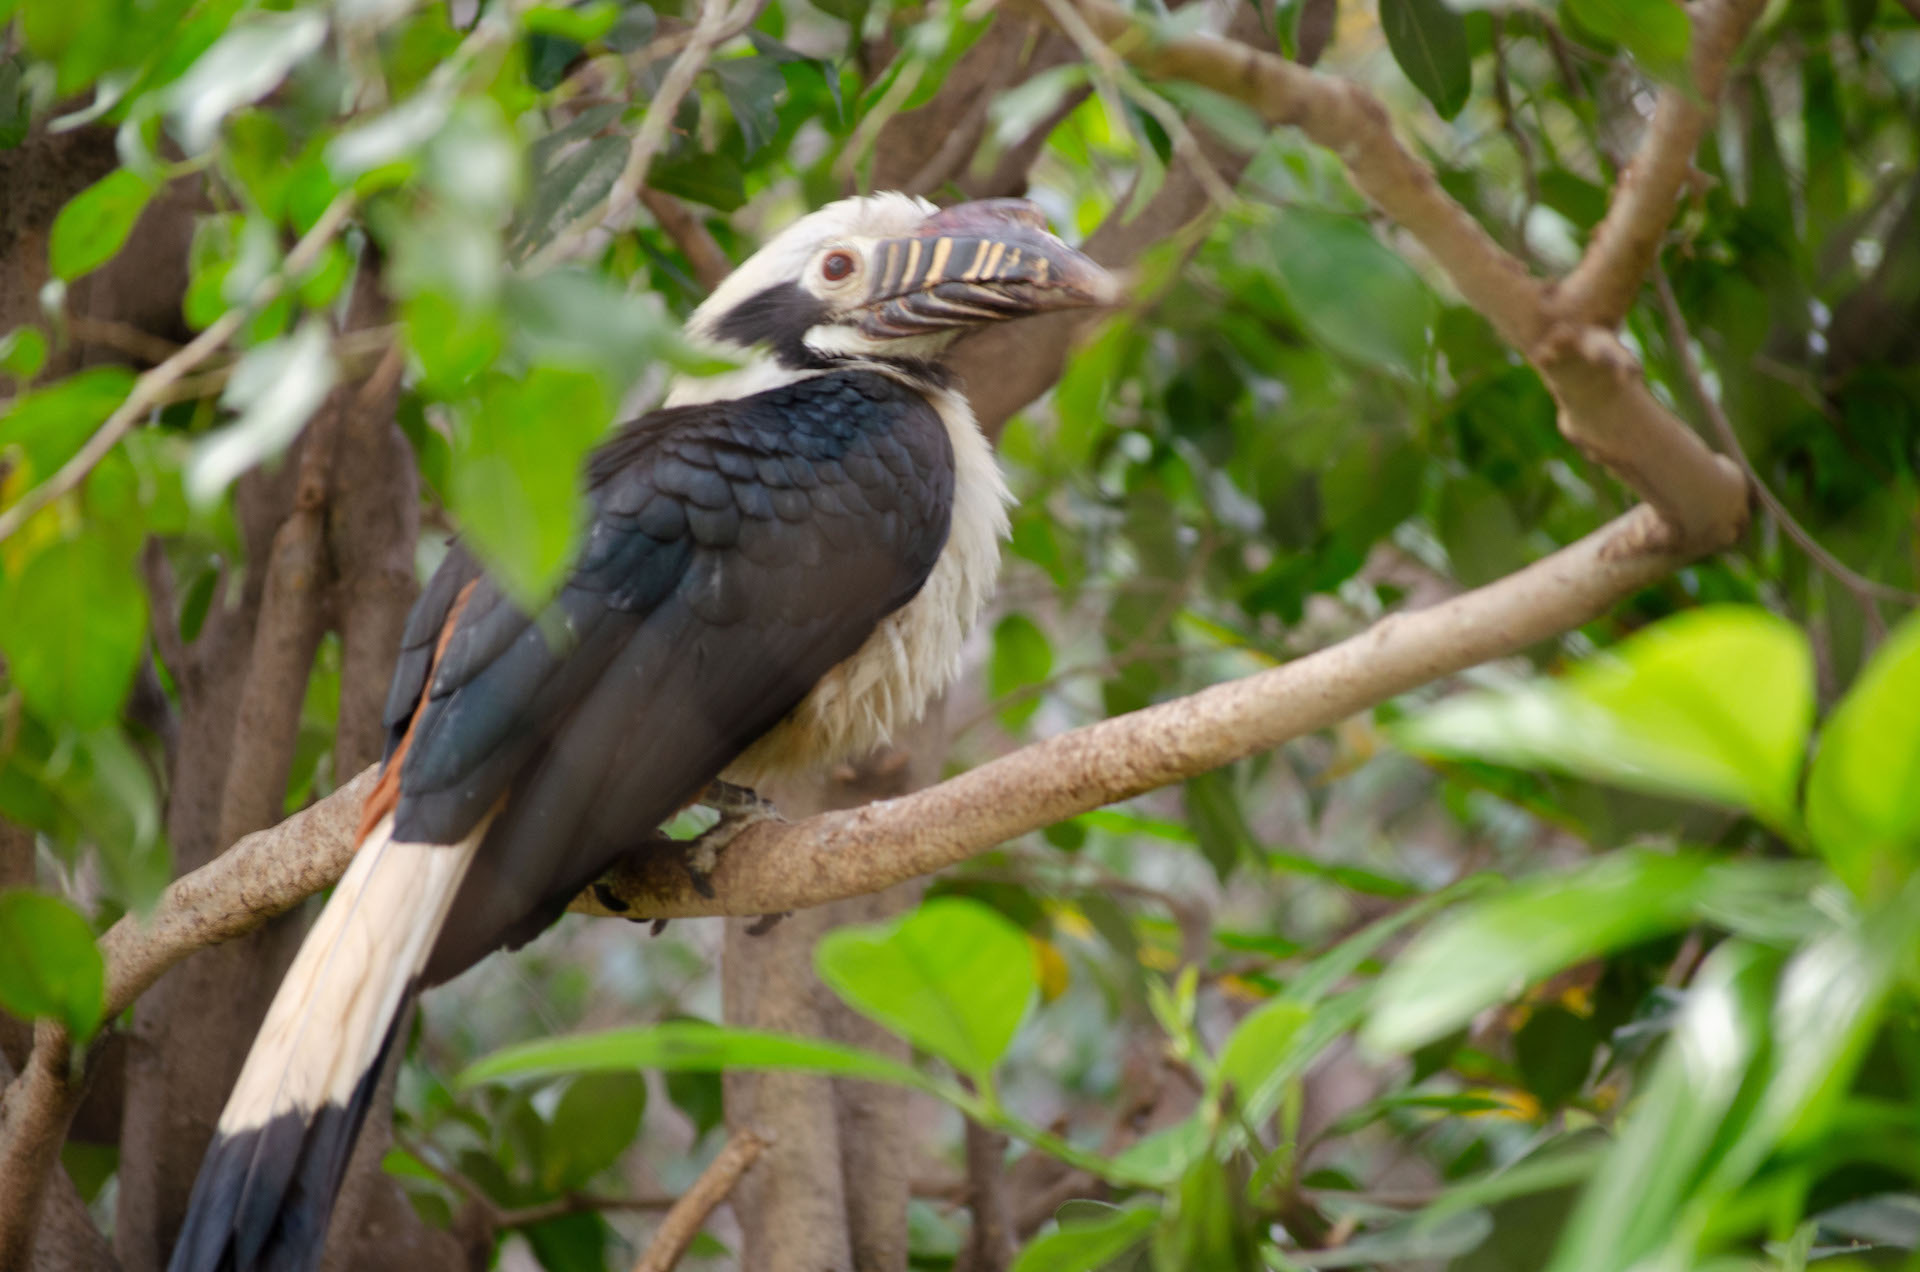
{"points": [[915, 652]]}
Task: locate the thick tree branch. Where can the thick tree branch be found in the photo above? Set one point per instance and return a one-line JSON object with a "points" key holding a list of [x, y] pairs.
{"points": [[786, 866], [1605, 407]]}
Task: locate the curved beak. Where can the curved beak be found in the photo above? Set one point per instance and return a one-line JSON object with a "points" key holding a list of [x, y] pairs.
{"points": [[977, 263]]}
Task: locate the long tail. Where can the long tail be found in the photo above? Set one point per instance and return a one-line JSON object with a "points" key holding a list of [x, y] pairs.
{"points": [[267, 1184]]}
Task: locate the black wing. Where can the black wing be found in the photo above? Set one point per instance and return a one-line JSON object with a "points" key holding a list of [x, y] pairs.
{"points": [[737, 552]]}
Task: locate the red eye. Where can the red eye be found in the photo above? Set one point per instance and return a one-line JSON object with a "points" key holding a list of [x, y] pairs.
{"points": [[837, 266]]}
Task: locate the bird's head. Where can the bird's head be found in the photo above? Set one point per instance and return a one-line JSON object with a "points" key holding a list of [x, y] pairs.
{"points": [[889, 275]]}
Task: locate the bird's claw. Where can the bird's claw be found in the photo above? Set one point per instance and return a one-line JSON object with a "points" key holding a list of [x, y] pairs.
{"points": [[740, 809], [730, 799]]}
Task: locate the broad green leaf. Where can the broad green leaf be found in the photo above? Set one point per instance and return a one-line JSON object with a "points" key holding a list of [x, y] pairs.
{"points": [[684, 1046], [514, 483], [95, 223], [23, 351], [1429, 41], [1355, 295], [1213, 804], [244, 65], [72, 628], [1233, 122], [276, 388], [389, 138], [1417, 1242], [1657, 32], [1488, 950], [560, 197], [1630, 1206], [1258, 1048], [582, 24], [1164, 1156], [51, 423], [594, 1123], [573, 318], [753, 86], [953, 977], [1863, 794], [1208, 1223], [1088, 1245], [1713, 703], [49, 965], [1022, 659]]}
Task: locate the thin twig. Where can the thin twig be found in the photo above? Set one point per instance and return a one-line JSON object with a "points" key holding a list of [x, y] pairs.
{"points": [[689, 1214], [1510, 123], [1865, 591], [122, 337], [716, 25], [1112, 77], [690, 234], [581, 1203], [151, 387]]}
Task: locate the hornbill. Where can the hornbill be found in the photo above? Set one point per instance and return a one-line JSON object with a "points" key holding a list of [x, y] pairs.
{"points": [[780, 566]]}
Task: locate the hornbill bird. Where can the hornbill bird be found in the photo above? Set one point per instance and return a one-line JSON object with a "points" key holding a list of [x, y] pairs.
{"points": [[780, 566]]}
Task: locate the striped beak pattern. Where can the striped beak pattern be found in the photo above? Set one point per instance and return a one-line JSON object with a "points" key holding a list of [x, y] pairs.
{"points": [[977, 263]]}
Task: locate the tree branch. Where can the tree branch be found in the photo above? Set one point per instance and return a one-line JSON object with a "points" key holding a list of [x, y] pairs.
{"points": [[1602, 286], [151, 387], [683, 1223], [784, 866], [1864, 590], [718, 22], [1605, 407]]}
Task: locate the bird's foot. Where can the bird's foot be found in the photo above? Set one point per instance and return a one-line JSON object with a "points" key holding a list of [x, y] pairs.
{"points": [[766, 923], [739, 809], [729, 799]]}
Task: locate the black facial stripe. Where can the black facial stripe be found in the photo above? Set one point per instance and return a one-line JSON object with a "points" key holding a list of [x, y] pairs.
{"points": [[778, 318]]}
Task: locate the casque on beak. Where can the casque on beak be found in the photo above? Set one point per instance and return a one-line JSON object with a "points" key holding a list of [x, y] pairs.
{"points": [[976, 263]]}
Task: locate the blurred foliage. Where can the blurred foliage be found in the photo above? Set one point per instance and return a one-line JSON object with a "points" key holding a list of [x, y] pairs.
{"points": [[1607, 968]]}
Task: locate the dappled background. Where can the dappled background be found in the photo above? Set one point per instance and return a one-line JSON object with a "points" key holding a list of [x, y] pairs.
{"points": [[1409, 991]]}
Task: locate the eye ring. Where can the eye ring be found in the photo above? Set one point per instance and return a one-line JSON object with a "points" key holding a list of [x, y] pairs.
{"points": [[837, 266]]}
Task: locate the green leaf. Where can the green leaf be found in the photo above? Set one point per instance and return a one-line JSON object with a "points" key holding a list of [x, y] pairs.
{"points": [[276, 388], [953, 977], [1479, 955], [686, 1046], [753, 86], [514, 483], [1713, 703], [1212, 801], [1863, 794], [716, 180], [1088, 1244], [72, 628], [242, 66], [561, 196], [1353, 293], [1657, 32], [1429, 41], [95, 223], [1022, 658], [23, 351], [1259, 1048], [1234, 122], [1630, 1206], [594, 1123], [49, 965]]}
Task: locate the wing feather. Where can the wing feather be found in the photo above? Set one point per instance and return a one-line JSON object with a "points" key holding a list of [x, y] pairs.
{"points": [[737, 552]]}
